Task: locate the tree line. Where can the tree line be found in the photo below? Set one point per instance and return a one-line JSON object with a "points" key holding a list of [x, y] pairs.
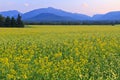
{"points": [[85, 22], [11, 21]]}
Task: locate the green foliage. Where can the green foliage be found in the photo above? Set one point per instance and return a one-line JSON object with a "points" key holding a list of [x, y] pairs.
{"points": [[7, 22], [19, 21], [60, 53], [11, 22], [2, 19]]}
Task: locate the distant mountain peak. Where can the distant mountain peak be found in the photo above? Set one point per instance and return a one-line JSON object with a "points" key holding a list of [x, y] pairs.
{"points": [[51, 8], [10, 13], [55, 11]]}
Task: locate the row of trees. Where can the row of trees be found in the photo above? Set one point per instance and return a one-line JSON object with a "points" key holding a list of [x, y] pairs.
{"points": [[75, 23], [11, 21]]}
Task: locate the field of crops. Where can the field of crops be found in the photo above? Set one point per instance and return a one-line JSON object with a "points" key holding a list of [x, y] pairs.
{"points": [[60, 53]]}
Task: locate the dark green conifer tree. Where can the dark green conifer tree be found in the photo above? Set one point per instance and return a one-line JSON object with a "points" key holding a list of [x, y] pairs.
{"points": [[7, 22], [13, 22], [19, 21], [2, 20]]}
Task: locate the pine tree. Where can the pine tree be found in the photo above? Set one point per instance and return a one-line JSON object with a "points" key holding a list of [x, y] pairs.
{"points": [[2, 19], [19, 21], [7, 22], [13, 22]]}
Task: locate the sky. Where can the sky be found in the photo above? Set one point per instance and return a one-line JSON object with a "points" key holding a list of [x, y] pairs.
{"points": [[88, 7]]}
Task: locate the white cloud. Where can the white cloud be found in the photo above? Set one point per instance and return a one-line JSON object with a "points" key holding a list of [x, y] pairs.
{"points": [[26, 4]]}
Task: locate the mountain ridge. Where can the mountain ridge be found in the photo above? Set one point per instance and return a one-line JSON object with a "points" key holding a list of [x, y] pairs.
{"points": [[56, 14]]}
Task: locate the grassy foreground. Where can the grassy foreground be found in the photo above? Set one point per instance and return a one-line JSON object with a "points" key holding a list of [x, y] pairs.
{"points": [[60, 53]]}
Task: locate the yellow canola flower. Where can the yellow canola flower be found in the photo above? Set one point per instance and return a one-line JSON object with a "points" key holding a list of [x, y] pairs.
{"points": [[13, 71], [4, 61], [10, 76], [24, 76], [57, 55], [25, 52]]}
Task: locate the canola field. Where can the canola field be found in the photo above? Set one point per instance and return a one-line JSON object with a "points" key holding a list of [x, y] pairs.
{"points": [[60, 53]]}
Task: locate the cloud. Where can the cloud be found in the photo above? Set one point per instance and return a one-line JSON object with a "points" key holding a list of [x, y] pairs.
{"points": [[26, 4], [85, 5]]}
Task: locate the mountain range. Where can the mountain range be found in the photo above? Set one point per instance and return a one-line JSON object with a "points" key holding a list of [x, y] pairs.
{"points": [[52, 14]]}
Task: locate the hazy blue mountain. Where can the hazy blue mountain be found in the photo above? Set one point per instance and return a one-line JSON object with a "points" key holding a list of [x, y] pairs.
{"points": [[111, 16], [97, 16], [51, 10], [49, 17], [12, 13], [52, 14]]}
